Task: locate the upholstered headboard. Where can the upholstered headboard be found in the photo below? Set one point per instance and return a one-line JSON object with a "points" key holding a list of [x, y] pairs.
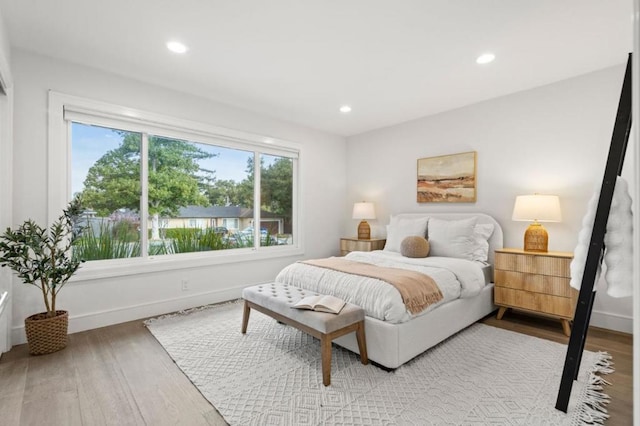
{"points": [[496, 239]]}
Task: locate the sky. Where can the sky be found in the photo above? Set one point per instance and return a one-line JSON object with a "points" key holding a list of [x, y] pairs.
{"points": [[89, 143]]}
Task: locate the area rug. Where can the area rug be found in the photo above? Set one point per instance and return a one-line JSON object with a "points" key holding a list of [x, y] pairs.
{"points": [[272, 376]]}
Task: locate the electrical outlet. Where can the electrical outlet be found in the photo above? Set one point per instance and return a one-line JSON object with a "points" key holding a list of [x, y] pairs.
{"points": [[185, 285]]}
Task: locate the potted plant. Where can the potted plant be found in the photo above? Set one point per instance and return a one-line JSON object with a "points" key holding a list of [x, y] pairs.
{"points": [[42, 257]]}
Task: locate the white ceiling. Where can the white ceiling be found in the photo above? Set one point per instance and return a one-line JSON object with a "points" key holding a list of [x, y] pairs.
{"points": [[299, 60]]}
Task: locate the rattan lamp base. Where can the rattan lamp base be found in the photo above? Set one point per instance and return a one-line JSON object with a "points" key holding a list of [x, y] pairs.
{"points": [[364, 231], [536, 238]]}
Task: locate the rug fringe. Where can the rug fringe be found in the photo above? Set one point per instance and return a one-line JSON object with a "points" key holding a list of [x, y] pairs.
{"points": [[592, 410], [190, 311]]}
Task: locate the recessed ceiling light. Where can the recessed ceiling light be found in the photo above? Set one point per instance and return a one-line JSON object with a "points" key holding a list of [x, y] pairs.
{"points": [[176, 47], [345, 109], [485, 58]]}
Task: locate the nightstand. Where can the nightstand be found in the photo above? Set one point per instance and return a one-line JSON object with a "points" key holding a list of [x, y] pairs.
{"points": [[353, 244], [535, 282]]}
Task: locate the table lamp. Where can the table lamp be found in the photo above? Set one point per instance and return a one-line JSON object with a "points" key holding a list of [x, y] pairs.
{"points": [[537, 208], [364, 211]]}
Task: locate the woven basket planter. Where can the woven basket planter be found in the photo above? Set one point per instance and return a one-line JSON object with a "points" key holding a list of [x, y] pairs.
{"points": [[46, 335]]}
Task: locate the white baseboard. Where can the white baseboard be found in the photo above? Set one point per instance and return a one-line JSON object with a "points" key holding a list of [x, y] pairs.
{"points": [[99, 319], [612, 321]]}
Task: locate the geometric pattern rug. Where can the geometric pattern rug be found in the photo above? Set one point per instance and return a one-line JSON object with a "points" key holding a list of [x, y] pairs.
{"points": [[273, 376]]}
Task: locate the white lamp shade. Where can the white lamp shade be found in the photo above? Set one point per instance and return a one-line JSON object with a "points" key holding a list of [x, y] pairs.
{"points": [[539, 208], [364, 211]]}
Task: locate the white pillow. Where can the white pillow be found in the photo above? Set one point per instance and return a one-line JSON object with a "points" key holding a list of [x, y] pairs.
{"points": [[398, 220], [481, 234], [452, 238], [398, 231]]}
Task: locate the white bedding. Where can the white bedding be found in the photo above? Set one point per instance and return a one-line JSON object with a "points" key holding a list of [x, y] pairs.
{"points": [[457, 278]]}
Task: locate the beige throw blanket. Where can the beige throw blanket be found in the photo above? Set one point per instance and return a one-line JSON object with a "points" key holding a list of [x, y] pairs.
{"points": [[417, 290]]}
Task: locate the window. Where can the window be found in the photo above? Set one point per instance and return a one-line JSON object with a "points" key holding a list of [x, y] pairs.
{"points": [[276, 195], [106, 173], [157, 191]]}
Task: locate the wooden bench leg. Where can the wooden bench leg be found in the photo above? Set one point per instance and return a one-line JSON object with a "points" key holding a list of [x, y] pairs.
{"points": [[325, 344], [245, 317], [362, 343]]}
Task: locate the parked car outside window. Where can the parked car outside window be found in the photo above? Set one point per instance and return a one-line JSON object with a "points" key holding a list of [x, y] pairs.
{"points": [[220, 230], [249, 231]]}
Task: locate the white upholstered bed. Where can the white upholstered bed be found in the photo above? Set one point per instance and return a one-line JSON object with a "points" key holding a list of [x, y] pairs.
{"points": [[394, 338]]}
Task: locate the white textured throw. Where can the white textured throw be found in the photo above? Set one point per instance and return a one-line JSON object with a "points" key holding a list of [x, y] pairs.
{"points": [[618, 241], [481, 376]]}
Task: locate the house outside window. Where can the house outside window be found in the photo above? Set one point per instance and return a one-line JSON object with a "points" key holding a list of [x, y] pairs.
{"points": [[230, 223], [151, 191]]}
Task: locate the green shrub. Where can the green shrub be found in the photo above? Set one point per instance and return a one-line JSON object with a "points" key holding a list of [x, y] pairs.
{"points": [[126, 230], [101, 243], [188, 240]]}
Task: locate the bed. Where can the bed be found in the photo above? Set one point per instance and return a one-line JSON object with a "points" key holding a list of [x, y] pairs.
{"points": [[394, 335]]}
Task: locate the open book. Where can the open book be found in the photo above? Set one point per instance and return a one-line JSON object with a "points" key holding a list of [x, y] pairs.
{"points": [[321, 303]]}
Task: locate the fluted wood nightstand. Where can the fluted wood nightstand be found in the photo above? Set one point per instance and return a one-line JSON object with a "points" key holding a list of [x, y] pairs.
{"points": [[353, 244], [535, 282]]}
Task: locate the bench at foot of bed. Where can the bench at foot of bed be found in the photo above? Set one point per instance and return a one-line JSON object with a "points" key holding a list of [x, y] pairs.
{"points": [[275, 300]]}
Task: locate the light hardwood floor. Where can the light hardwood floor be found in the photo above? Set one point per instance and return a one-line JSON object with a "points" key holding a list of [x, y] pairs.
{"points": [[120, 375]]}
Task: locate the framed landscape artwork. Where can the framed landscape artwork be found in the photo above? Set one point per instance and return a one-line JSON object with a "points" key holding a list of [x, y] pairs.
{"points": [[447, 178]]}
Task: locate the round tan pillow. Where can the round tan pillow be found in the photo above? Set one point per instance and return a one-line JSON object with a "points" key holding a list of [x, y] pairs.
{"points": [[414, 247]]}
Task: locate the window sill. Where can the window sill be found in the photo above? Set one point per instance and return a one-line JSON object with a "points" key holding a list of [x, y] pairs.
{"points": [[123, 267]]}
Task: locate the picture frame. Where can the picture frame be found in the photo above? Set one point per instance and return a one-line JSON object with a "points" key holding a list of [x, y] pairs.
{"points": [[447, 178]]}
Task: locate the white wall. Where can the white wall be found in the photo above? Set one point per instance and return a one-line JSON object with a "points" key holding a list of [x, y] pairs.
{"points": [[106, 301], [553, 139]]}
